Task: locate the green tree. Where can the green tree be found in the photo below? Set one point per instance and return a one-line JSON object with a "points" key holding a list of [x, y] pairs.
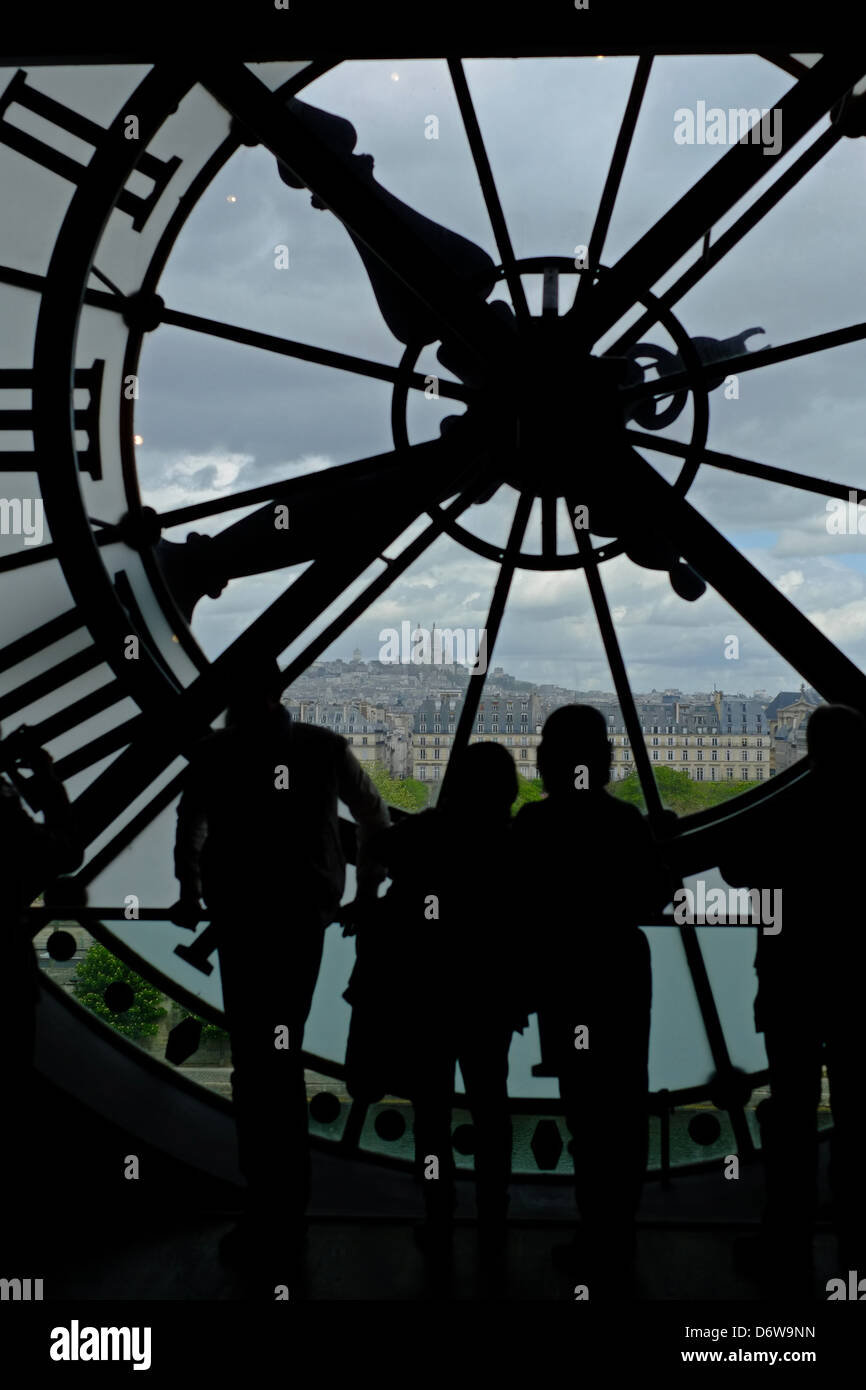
{"points": [[678, 791], [99, 969], [208, 1030], [405, 792], [527, 791]]}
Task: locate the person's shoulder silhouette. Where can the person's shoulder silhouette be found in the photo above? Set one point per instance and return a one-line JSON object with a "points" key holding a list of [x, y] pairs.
{"points": [[589, 848]]}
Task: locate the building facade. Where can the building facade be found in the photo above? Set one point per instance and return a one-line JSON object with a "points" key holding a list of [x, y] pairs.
{"points": [[510, 718]]}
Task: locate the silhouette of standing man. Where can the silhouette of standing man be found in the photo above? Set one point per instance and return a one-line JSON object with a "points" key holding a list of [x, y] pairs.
{"points": [[258, 837], [594, 874], [437, 963], [810, 999]]}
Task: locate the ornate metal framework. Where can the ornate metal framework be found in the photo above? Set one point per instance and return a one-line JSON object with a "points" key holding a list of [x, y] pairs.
{"points": [[431, 285]]}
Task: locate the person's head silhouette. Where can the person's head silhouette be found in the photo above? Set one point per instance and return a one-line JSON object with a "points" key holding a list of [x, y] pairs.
{"points": [[482, 782], [574, 752], [835, 740], [258, 697]]}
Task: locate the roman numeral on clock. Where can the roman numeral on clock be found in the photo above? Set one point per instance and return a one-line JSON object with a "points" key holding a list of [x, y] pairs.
{"points": [[86, 419], [18, 93]]}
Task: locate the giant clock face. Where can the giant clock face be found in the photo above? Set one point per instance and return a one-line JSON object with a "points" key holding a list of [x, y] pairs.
{"points": [[122, 176]]}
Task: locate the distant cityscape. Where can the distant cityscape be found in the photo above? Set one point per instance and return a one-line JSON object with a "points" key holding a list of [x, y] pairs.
{"points": [[404, 717]]}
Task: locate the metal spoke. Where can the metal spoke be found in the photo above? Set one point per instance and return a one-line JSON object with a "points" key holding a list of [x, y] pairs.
{"points": [[488, 188], [657, 814], [749, 467], [729, 239], [756, 598], [309, 487], [615, 661], [173, 729], [98, 748], [383, 581], [744, 165], [501, 590], [548, 525], [614, 175], [326, 357], [396, 243], [746, 362], [129, 832]]}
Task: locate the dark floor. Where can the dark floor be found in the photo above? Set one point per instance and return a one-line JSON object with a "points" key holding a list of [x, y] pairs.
{"points": [[381, 1261], [685, 1242]]}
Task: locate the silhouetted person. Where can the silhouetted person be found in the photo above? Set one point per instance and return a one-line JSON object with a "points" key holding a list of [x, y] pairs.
{"points": [[442, 947], [592, 872], [34, 854], [258, 837], [809, 1004]]}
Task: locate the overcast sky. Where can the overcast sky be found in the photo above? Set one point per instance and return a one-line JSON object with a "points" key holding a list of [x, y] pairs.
{"points": [[216, 417]]}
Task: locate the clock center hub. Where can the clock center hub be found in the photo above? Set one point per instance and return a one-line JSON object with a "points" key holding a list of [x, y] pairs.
{"points": [[561, 421]]}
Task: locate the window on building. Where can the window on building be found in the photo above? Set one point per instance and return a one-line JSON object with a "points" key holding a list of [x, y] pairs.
{"points": [[699, 773], [759, 757], [730, 773], [671, 755], [655, 756], [715, 742], [759, 772], [715, 756], [728, 754], [700, 756], [436, 753], [745, 754], [655, 741], [422, 754]]}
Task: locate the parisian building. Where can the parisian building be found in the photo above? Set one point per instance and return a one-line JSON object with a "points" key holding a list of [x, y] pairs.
{"points": [[510, 718]]}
